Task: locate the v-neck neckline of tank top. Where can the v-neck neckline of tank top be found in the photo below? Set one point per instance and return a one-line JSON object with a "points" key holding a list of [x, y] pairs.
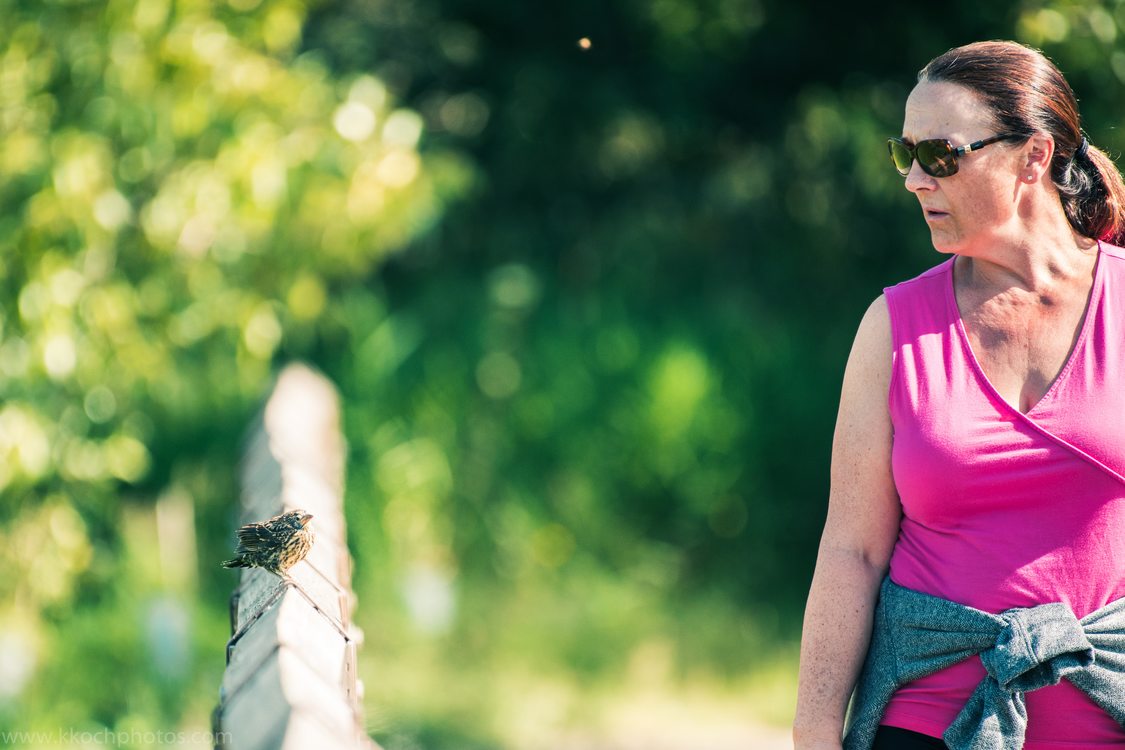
{"points": [[1092, 301]]}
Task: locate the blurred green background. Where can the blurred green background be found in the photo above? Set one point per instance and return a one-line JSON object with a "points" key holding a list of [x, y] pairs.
{"points": [[588, 305]]}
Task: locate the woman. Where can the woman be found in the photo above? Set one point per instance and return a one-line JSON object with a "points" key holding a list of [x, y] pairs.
{"points": [[979, 453]]}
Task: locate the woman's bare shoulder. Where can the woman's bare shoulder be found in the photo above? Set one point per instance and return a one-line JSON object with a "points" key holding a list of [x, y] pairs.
{"points": [[871, 350]]}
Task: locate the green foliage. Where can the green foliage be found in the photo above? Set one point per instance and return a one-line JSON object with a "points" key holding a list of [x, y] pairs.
{"points": [[588, 305], [185, 193], [617, 365]]}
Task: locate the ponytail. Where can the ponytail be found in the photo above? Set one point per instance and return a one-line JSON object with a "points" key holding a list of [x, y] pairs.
{"points": [[1093, 196]]}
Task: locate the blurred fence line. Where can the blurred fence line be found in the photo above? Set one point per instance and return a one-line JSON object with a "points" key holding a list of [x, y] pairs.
{"points": [[290, 680]]}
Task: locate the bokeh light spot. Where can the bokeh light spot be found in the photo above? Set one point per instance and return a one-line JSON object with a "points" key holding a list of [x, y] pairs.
{"points": [[514, 286], [499, 375], [403, 128], [262, 333], [60, 356], [100, 404], [398, 168], [354, 121], [126, 458], [111, 210], [306, 297]]}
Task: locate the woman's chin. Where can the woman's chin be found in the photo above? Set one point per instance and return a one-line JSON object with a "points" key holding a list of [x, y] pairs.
{"points": [[943, 242]]}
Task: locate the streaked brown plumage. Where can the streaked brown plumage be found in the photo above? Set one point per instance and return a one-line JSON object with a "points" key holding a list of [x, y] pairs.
{"points": [[276, 545]]}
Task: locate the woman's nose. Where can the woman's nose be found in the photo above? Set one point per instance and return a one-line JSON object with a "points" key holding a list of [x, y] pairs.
{"points": [[917, 180]]}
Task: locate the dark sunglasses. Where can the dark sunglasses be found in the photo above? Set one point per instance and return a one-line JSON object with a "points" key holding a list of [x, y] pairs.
{"points": [[937, 157]]}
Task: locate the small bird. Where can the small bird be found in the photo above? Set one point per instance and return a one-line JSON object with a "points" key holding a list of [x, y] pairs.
{"points": [[276, 545]]}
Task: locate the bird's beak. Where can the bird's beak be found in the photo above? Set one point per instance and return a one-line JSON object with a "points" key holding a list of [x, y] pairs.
{"points": [[305, 519]]}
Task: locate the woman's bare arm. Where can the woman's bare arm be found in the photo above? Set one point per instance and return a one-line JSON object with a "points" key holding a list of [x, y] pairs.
{"points": [[855, 547]]}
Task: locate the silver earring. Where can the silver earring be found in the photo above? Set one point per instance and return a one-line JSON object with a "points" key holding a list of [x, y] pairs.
{"points": [[1029, 178]]}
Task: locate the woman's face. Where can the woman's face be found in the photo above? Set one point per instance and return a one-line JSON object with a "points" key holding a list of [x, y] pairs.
{"points": [[971, 209]]}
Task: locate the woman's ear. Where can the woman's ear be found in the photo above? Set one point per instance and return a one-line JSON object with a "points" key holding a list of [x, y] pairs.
{"points": [[1039, 150]]}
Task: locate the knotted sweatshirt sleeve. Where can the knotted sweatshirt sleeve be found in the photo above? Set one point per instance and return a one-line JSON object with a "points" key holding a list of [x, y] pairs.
{"points": [[1022, 649]]}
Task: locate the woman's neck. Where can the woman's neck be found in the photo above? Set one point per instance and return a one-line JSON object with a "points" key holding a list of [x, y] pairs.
{"points": [[1040, 253]]}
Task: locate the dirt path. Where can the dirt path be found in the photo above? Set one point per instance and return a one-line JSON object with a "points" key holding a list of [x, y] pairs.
{"points": [[661, 722]]}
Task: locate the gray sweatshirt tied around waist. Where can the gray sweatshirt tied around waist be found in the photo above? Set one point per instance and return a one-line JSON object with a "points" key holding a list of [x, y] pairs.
{"points": [[1022, 649]]}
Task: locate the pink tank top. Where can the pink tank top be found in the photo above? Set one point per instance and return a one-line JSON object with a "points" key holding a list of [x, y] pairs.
{"points": [[1003, 509]]}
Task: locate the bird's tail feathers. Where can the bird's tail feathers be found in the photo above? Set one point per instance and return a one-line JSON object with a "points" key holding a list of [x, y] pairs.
{"points": [[237, 562]]}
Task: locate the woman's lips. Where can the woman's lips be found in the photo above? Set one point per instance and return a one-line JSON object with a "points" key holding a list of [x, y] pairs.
{"points": [[933, 213]]}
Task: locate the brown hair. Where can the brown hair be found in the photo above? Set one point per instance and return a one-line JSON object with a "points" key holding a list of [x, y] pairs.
{"points": [[1028, 95]]}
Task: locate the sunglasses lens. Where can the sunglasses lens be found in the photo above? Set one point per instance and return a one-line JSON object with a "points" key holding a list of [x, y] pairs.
{"points": [[901, 156], [936, 158]]}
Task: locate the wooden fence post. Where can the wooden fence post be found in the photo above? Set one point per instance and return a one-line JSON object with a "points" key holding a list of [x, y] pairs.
{"points": [[290, 680]]}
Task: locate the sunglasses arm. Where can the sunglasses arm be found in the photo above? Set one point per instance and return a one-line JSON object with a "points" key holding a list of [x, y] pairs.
{"points": [[971, 147]]}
